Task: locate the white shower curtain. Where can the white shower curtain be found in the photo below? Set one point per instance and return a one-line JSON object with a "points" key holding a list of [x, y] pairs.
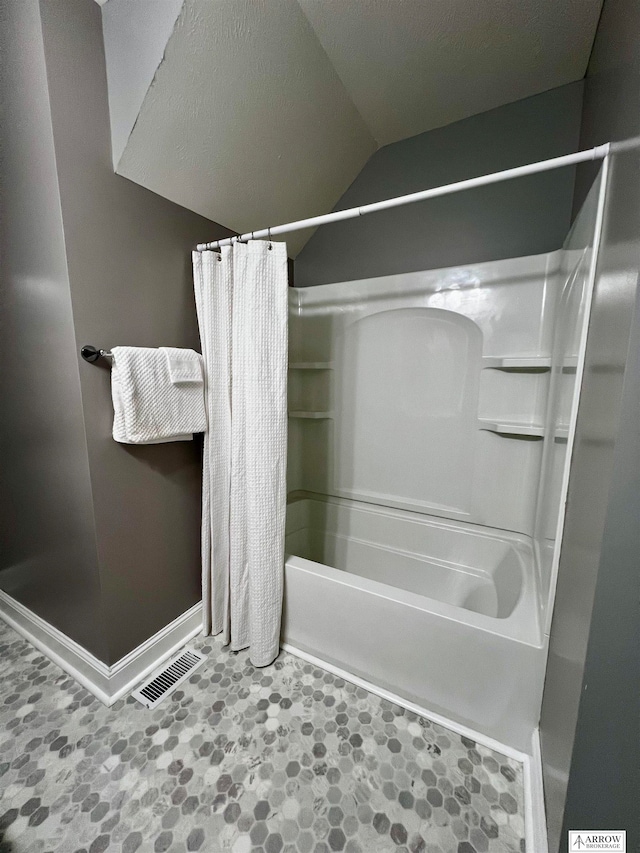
{"points": [[242, 305]]}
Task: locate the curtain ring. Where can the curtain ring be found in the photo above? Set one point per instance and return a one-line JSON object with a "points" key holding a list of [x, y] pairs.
{"points": [[269, 237]]}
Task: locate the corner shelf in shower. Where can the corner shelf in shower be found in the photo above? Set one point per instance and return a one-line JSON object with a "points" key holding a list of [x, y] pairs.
{"points": [[518, 428], [514, 428], [319, 416], [527, 363], [508, 362], [311, 365]]}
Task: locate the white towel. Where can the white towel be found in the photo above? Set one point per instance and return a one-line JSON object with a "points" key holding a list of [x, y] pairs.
{"points": [[184, 365], [150, 408], [242, 301]]}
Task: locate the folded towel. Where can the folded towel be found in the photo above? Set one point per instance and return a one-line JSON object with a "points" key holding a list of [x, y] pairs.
{"points": [[184, 365], [157, 395]]}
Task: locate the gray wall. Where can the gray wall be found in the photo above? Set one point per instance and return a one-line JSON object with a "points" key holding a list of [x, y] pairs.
{"points": [[604, 785], [48, 557], [589, 720], [516, 218], [114, 532], [129, 257]]}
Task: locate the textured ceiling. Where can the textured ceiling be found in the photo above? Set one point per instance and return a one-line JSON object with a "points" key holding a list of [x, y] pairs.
{"points": [[259, 112], [246, 121], [413, 65], [135, 33]]}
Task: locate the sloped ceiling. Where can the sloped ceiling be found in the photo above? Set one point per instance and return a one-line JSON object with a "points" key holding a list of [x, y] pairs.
{"points": [[414, 65], [136, 33], [259, 112], [246, 121]]}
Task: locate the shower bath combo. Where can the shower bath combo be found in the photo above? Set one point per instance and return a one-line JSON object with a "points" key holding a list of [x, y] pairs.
{"points": [[432, 418], [431, 423]]}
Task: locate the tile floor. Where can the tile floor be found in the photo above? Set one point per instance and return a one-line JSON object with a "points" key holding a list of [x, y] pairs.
{"points": [[288, 758]]}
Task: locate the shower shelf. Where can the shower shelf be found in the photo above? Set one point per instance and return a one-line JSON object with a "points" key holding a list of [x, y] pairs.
{"points": [[311, 365], [507, 362], [314, 415], [534, 363], [511, 428]]}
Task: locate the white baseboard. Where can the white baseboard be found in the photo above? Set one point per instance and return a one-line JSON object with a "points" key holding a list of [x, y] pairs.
{"points": [[107, 683], [534, 818], [535, 813]]}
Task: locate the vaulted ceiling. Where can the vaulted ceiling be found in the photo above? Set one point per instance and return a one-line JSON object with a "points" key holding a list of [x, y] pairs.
{"points": [[256, 112]]}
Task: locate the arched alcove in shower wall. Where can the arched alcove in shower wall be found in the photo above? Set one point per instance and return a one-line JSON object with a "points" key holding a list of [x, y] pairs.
{"points": [[405, 409]]}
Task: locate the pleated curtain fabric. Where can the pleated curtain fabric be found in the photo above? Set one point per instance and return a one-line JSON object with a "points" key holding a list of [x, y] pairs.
{"points": [[242, 304]]}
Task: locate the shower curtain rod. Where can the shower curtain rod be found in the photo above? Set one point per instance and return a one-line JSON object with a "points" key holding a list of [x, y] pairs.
{"points": [[597, 153]]}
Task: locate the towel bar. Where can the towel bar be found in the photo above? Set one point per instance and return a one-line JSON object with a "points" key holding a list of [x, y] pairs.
{"points": [[91, 354]]}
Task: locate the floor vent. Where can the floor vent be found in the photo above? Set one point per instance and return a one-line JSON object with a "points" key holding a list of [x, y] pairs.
{"points": [[173, 673]]}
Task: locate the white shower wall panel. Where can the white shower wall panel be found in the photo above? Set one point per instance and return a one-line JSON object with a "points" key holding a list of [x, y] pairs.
{"points": [[401, 398], [576, 276], [505, 479], [513, 395], [399, 369]]}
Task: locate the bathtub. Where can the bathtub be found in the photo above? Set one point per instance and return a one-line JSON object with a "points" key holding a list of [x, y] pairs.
{"points": [[442, 613]]}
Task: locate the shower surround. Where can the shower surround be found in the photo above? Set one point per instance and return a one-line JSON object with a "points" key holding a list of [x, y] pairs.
{"points": [[431, 423]]}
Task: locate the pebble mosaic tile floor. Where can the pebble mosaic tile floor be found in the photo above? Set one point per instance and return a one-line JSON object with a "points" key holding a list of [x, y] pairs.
{"points": [[280, 760]]}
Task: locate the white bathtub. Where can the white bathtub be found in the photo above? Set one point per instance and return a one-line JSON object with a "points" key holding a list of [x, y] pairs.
{"points": [[442, 613]]}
